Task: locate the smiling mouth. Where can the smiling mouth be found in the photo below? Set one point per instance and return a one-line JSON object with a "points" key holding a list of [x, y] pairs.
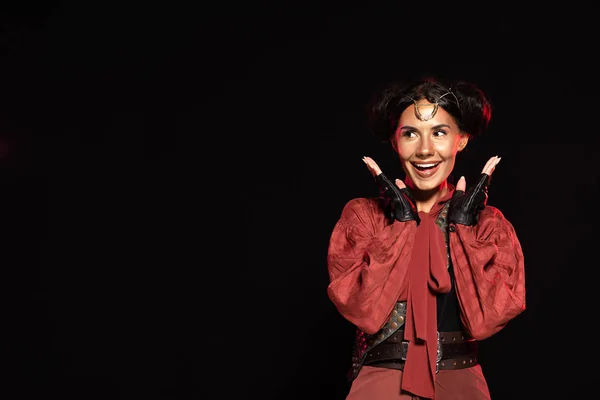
{"points": [[425, 166], [425, 170]]}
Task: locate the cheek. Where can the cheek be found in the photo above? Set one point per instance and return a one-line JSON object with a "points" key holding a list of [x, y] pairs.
{"points": [[447, 150], [404, 151]]}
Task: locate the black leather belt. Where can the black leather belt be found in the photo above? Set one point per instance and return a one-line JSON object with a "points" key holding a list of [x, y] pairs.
{"points": [[455, 351]]}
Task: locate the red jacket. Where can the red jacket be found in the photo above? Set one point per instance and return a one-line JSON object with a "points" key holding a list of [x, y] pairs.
{"points": [[373, 263]]}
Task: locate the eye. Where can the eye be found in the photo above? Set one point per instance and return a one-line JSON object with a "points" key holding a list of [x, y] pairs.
{"points": [[409, 134], [439, 133]]}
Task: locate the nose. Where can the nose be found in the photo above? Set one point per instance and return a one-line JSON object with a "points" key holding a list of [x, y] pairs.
{"points": [[425, 148]]}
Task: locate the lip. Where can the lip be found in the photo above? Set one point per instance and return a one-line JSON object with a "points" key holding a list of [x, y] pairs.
{"points": [[427, 173]]}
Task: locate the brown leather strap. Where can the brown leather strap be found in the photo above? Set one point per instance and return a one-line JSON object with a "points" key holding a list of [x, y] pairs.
{"points": [[445, 337], [453, 363], [458, 351], [459, 362]]}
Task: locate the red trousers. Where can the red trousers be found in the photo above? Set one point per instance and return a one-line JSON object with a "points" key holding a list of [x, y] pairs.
{"points": [[373, 383]]}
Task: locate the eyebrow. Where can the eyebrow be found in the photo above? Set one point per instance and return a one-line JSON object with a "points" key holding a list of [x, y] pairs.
{"points": [[406, 127]]}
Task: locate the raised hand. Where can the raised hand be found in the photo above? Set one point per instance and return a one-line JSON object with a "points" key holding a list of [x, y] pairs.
{"points": [[396, 198], [466, 205]]}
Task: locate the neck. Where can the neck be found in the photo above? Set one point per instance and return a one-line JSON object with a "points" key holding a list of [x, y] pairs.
{"points": [[426, 199]]}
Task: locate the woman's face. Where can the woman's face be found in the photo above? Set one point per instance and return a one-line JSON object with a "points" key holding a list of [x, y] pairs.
{"points": [[427, 149]]}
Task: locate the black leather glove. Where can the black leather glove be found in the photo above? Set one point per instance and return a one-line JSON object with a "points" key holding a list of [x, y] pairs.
{"points": [[465, 206], [398, 203]]}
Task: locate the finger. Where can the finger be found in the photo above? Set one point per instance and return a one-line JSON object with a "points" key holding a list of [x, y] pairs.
{"points": [[487, 165], [491, 165], [400, 184], [461, 184], [372, 165]]}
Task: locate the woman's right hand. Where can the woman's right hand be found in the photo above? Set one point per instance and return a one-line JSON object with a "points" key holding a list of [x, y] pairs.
{"points": [[397, 200]]}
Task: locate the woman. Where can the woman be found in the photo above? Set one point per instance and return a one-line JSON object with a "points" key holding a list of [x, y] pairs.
{"points": [[426, 270]]}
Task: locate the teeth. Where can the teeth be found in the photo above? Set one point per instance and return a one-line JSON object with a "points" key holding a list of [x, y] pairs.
{"points": [[426, 165]]}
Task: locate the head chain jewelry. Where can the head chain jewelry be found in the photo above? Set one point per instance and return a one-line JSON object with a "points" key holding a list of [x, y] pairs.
{"points": [[435, 106]]}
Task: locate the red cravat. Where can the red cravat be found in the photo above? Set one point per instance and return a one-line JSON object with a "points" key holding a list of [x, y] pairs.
{"points": [[428, 275]]}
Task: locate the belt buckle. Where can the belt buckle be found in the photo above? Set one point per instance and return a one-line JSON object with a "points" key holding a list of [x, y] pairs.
{"points": [[438, 357], [403, 350]]}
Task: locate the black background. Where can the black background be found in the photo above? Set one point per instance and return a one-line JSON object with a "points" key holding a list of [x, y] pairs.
{"points": [[171, 174]]}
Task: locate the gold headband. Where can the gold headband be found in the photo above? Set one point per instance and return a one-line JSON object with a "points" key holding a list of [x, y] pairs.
{"points": [[434, 105], [425, 117]]}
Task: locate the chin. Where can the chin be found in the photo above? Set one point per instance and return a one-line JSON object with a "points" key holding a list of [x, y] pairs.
{"points": [[427, 186]]}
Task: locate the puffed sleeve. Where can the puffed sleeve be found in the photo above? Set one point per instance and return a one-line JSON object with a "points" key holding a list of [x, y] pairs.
{"points": [[367, 263], [490, 273]]}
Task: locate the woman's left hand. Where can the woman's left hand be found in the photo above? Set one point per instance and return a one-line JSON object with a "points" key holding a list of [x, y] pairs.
{"points": [[465, 206], [488, 169]]}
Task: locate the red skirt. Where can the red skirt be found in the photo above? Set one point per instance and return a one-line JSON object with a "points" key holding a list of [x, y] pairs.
{"points": [[373, 383]]}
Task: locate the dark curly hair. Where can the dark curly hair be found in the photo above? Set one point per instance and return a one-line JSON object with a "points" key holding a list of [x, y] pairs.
{"points": [[463, 100]]}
